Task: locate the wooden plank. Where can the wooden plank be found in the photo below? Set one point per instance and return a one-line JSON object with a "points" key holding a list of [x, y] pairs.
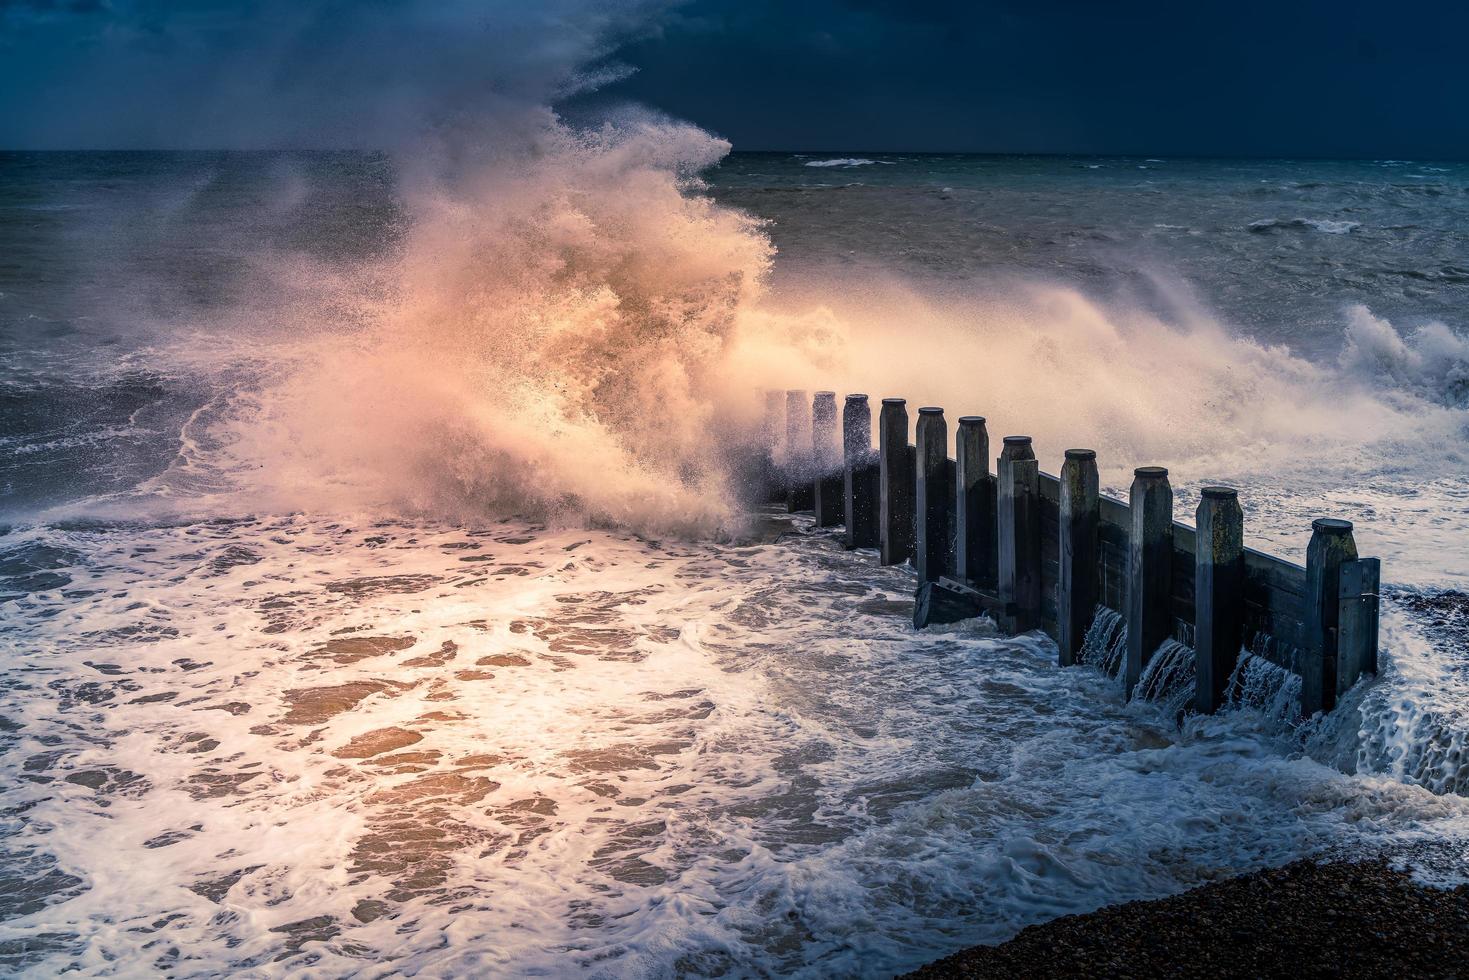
{"points": [[1019, 532], [826, 491], [1218, 594], [1331, 545], [1357, 622], [1149, 570], [933, 494], [896, 461], [859, 474], [976, 555]]}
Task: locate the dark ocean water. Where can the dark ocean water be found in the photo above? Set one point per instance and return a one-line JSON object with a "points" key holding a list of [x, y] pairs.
{"points": [[249, 732], [1278, 247]]}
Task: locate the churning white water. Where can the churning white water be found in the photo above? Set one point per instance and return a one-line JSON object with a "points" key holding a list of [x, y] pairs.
{"points": [[371, 746]]}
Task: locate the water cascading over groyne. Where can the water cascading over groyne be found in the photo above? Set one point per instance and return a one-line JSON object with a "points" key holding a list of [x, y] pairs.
{"points": [[1118, 584]]}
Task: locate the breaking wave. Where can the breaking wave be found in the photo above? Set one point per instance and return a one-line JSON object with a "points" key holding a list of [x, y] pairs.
{"points": [[844, 162], [1324, 225]]}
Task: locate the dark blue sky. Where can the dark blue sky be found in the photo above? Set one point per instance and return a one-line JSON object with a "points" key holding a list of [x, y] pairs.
{"points": [[1292, 77]]}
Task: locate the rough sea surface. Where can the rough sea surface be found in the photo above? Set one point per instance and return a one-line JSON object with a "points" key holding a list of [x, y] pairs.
{"points": [[247, 738]]}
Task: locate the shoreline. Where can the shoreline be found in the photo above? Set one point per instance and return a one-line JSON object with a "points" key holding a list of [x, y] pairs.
{"points": [[1306, 919]]}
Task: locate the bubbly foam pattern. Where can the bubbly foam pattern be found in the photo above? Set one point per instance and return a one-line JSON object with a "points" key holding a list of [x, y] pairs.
{"points": [[273, 744]]}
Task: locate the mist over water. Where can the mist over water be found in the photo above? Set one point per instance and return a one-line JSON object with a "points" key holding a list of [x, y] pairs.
{"points": [[377, 598]]}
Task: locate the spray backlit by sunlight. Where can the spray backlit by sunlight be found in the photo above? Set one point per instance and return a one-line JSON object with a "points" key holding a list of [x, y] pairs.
{"points": [[552, 344], [1051, 362]]}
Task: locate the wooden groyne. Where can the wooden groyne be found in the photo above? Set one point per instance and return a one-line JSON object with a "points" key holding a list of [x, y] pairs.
{"points": [[1037, 551]]}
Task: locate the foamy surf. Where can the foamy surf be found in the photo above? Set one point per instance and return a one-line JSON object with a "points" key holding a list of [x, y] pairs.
{"points": [[336, 745]]}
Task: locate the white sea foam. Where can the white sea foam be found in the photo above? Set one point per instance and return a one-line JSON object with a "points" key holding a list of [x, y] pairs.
{"points": [[506, 750], [846, 162], [1325, 225]]}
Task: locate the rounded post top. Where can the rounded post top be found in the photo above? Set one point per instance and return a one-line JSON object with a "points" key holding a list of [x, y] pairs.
{"points": [[1151, 472], [895, 401], [971, 420], [1017, 440], [1219, 493], [856, 398], [1081, 454], [1331, 525], [930, 410]]}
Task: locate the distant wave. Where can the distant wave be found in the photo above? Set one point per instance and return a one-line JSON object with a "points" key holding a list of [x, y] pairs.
{"points": [[1300, 224], [846, 162]]}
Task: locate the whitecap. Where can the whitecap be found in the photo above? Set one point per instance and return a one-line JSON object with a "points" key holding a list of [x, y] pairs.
{"points": [[847, 162], [1323, 225]]}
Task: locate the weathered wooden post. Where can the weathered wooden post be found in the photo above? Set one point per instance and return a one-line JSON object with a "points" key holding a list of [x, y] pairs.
{"points": [[1357, 622], [771, 437], [798, 452], [897, 479], [974, 511], [1019, 527], [1149, 569], [827, 478], [934, 494], [1079, 578], [1331, 545], [859, 474], [1219, 605]]}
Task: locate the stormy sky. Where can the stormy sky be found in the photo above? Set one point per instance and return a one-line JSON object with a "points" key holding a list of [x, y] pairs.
{"points": [[1284, 78]]}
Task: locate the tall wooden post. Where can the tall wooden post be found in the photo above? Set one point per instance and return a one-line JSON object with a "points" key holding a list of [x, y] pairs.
{"points": [[798, 452], [827, 469], [859, 474], [1019, 532], [933, 496], [1219, 605], [1149, 569], [897, 480], [1331, 545], [1357, 626], [975, 558], [1079, 578], [774, 472]]}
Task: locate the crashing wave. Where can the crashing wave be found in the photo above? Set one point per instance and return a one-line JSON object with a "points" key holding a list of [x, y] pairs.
{"points": [[1431, 361], [846, 162], [1324, 225]]}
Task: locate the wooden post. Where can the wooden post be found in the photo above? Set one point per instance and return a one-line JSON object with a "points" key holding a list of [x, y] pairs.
{"points": [[1078, 580], [974, 510], [775, 489], [859, 474], [1219, 604], [933, 495], [1357, 622], [798, 452], [826, 465], [1149, 569], [1019, 533], [1331, 545], [897, 480]]}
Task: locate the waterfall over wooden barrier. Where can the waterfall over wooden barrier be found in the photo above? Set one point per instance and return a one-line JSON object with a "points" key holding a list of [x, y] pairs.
{"points": [[1036, 551]]}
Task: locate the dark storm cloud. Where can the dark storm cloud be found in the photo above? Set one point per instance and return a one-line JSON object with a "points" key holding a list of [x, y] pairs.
{"points": [[1307, 77], [1303, 77], [219, 73]]}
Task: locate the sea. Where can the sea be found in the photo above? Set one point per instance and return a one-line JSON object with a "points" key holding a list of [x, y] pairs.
{"points": [[374, 598]]}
